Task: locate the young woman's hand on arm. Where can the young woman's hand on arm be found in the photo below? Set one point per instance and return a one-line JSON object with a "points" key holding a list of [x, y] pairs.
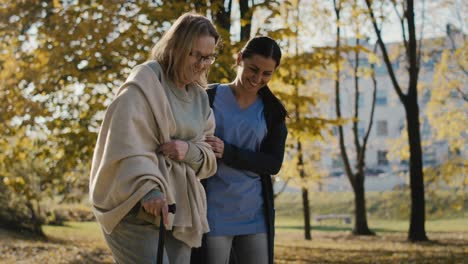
{"points": [[217, 145], [267, 160]]}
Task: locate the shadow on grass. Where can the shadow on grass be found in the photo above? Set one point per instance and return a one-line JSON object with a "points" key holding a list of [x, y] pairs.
{"points": [[331, 228], [444, 243], [320, 228], [96, 256], [344, 255]]}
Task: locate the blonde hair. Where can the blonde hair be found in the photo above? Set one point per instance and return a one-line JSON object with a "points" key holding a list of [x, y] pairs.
{"points": [[173, 49]]}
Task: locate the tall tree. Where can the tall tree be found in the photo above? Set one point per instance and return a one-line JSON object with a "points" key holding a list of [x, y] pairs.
{"points": [[221, 13], [300, 151], [356, 177], [417, 230], [300, 95], [246, 19], [60, 67]]}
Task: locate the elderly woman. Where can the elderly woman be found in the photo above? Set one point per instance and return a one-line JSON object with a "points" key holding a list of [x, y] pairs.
{"points": [[151, 151]]}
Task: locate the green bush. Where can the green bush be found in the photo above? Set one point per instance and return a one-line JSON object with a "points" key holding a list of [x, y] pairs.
{"points": [[70, 213]]}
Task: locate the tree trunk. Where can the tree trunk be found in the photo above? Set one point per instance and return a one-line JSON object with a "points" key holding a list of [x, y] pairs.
{"points": [[246, 16], [306, 208], [360, 215], [36, 223], [356, 179], [417, 231], [305, 194], [222, 16]]}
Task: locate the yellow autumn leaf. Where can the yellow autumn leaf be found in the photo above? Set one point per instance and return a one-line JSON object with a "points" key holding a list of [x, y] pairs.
{"points": [[6, 181], [372, 58], [19, 180], [21, 156]]}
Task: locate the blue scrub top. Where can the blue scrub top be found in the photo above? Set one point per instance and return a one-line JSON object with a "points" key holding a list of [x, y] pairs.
{"points": [[235, 202]]}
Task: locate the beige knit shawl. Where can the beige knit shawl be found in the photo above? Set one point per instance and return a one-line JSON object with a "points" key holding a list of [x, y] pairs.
{"points": [[125, 165]]}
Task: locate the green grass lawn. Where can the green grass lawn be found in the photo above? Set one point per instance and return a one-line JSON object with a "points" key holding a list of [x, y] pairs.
{"points": [[332, 241], [380, 205], [378, 225], [74, 243]]}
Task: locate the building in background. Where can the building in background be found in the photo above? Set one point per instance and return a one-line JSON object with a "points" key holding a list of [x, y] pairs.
{"points": [[389, 116]]}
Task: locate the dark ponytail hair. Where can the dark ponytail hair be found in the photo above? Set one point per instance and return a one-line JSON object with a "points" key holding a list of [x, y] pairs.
{"points": [[268, 48]]}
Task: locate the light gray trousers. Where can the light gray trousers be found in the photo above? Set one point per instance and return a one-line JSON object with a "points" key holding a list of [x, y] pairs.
{"points": [[135, 241], [248, 249]]}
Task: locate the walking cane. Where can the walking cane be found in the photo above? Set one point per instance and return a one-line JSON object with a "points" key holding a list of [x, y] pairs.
{"points": [[162, 234]]}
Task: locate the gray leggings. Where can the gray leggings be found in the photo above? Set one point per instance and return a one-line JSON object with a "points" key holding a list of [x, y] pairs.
{"points": [[136, 241], [247, 249]]}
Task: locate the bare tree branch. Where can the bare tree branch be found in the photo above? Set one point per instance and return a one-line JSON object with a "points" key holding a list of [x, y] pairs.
{"points": [[422, 31], [356, 99], [462, 68], [412, 51], [463, 95], [385, 56], [371, 118], [344, 155], [402, 24]]}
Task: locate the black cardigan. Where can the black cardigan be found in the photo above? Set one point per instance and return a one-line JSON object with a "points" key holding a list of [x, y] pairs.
{"points": [[265, 162]]}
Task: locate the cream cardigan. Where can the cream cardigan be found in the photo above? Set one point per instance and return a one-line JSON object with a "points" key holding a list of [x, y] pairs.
{"points": [[125, 165]]}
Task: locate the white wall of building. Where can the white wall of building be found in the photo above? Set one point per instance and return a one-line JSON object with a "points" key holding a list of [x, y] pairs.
{"points": [[389, 120]]}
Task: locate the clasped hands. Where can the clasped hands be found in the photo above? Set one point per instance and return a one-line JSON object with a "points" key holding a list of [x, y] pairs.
{"points": [[177, 150], [174, 149]]}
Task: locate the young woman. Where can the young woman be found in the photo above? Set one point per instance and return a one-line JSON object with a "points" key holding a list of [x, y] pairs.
{"points": [[249, 142], [151, 150]]}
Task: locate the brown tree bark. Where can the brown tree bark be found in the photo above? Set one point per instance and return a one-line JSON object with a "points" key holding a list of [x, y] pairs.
{"points": [[305, 193], [355, 178], [246, 15], [417, 231], [222, 15]]}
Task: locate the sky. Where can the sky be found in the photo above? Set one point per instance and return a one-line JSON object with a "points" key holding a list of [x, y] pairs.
{"points": [[437, 14]]}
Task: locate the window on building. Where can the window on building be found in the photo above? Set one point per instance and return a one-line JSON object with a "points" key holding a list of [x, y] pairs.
{"points": [[429, 159], [382, 158], [381, 98], [382, 128], [426, 128], [335, 131], [364, 62], [426, 96], [454, 94], [401, 124], [404, 162], [380, 69], [428, 64], [360, 100], [361, 129], [337, 162]]}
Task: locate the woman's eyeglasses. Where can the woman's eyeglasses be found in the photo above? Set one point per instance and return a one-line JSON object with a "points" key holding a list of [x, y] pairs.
{"points": [[210, 59]]}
